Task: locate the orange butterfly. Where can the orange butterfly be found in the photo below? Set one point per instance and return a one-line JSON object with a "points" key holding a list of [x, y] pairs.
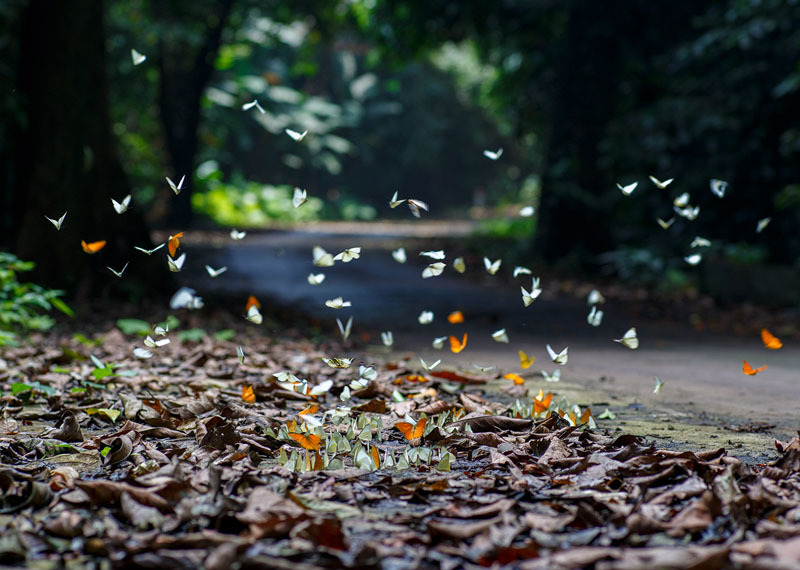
{"points": [[411, 431], [770, 340], [375, 456], [93, 247], [542, 402], [248, 395], [518, 380], [173, 243], [750, 371], [455, 317], [312, 409], [457, 346], [309, 441], [252, 302]]}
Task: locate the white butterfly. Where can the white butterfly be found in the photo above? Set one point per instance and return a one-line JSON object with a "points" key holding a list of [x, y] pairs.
{"points": [[121, 207], [595, 297], [492, 266], [763, 223], [554, 377], [433, 270], [500, 336], [237, 235], [529, 297], [254, 315], [493, 155], [176, 265], [659, 382], [149, 251], [344, 395], [150, 343], [595, 317], [387, 338], [321, 388], [161, 331], [345, 330], [338, 362], [253, 103], [321, 257], [394, 202], [559, 358], [57, 223], [627, 189], [484, 368], [415, 206], [367, 373], [527, 211], [185, 298], [629, 339], [399, 255], [337, 303], [297, 137], [438, 342], [348, 255], [681, 201], [700, 242], [300, 197], [459, 265], [520, 270], [425, 318], [215, 272], [439, 254], [665, 225], [118, 273], [659, 183], [427, 366], [693, 259], [689, 213], [315, 278], [240, 354], [176, 187], [718, 187], [137, 58], [142, 353]]}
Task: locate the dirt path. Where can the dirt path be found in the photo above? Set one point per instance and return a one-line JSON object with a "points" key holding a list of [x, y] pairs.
{"points": [[705, 400]]}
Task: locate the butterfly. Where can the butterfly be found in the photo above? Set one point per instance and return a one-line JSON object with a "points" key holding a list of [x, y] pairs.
{"points": [[142, 353], [665, 225], [425, 317], [750, 371], [595, 297], [629, 339], [541, 402], [554, 377], [700, 242], [254, 103], [520, 270], [176, 187], [459, 265], [500, 336], [595, 317], [321, 388], [433, 270], [412, 431], [295, 136], [254, 315], [457, 346], [627, 189], [394, 202], [681, 201], [527, 211], [387, 338], [308, 441], [525, 361], [345, 330], [491, 266], [493, 155], [433, 254], [118, 273], [399, 255], [149, 342], [484, 368], [560, 358], [137, 58], [93, 247], [337, 303], [240, 354], [763, 223], [215, 272], [518, 380], [348, 255], [427, 366], [770, 340], [367, 373], [718, 187], [321, 257], [693, 259], [455, 317], [338, 362], [659, 383], [529, 297], [416, 206], [121, 207], [315, 278], [237, 235], [175, 265], [161, 331], [174, 243], [248, 395], [185, 298], [438, 342], [300, 197], [149, 251], [659, 183], [57, 223], [689, 213]]}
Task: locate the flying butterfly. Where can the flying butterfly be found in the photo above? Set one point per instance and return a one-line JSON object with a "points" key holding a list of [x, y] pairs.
{"points": [[254, 103], [240, 354], [236, 235], [459, 265], [518, 380], [455, 317], [492, 266], [659, 383], [558, 358], [762, 224], [399, 255], [438, 342], [665, 225], [149, 342], [427, 366], [700, 242], [175, 265], [493, 155], [595, 297], [394, 202], [321, 257], [628, 188], [57, 223], [137, 58], [718, 187], [661, 185], [693, 259], [525, 361], [688, 212], [295, 136], [185, 298], [248, 394], [438, 254], [315, 278], [456, 345], [629, 339], [554, 377], [433, 270], [500, 336], [176, 187], [121, 207], [338, 362], [412, 430], [594, 317], [425, 317], [416, 207], [345, 329], [142, 353], [300, 197], [173, 243], [527, 211], [348, 255], [750, 371], [149, 251], [215, 272], [681, 201], [118, 273], [529, 297], [520, 270], [254, 315], [387, 338], [337, 303], [93, 247], [770, 340]]}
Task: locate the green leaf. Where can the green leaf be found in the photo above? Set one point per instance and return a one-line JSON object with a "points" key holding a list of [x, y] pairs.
{"points": [[224, 334], [105, 450], [60, 370], [62, 306], [77, 390], [18, 387], [100, 373], [607, 415], [109, 413], [133, 326], [85, 341], [192, 335], [95, 385], [97, 362]]}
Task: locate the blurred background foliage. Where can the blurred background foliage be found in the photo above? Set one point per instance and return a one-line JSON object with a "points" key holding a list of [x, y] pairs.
{"points": [[404, 96]]}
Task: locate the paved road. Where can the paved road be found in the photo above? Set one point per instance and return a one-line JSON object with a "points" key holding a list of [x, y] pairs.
{"points": [[701, 371]]}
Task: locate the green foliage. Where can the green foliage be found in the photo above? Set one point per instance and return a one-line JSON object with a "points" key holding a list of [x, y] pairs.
{"points": [[192, 335], [22, 305], [134, 326]]}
